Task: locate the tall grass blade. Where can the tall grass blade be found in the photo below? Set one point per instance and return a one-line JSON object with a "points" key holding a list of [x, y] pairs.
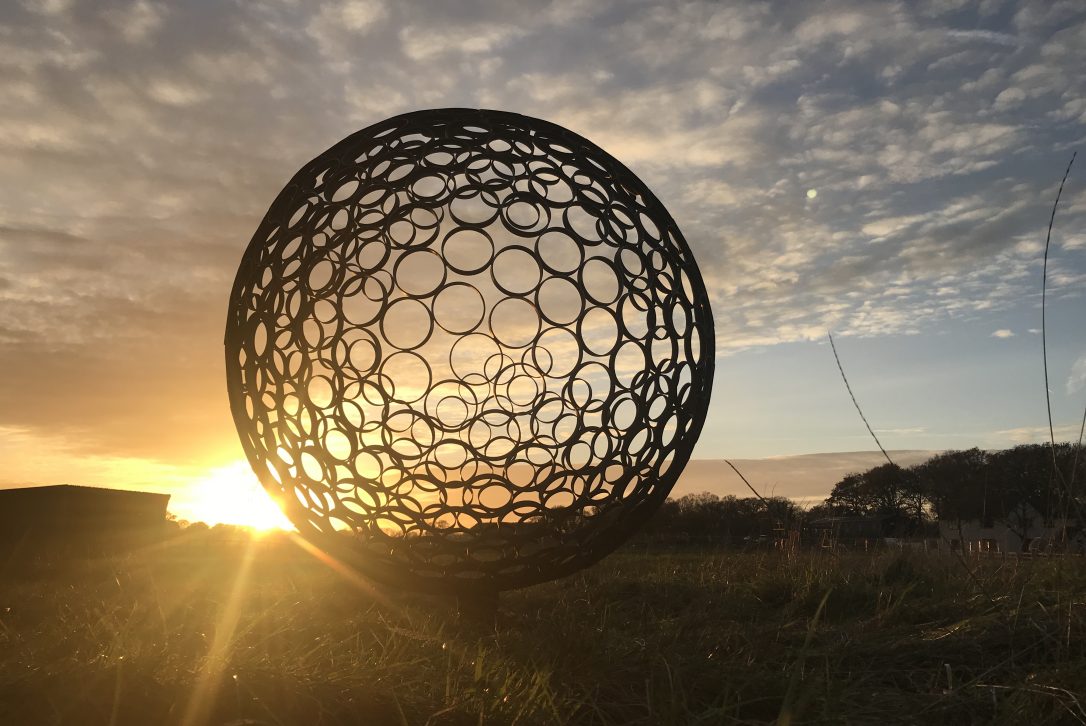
{"points": [[855, 402], [1056, 473], [1044, 297], [746, 482]]}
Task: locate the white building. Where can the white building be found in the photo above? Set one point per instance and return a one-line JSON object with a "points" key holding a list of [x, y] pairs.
{"points": [[1030, 534]]}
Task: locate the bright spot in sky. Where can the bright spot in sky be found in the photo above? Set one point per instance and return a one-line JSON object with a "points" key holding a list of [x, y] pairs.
{"points": [[232, 494], [812, 193]]}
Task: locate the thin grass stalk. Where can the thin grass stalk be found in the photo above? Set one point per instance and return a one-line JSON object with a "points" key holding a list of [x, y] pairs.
{"points": [[764, 501], [1068, 495], [1044, 299], [855, 402]]}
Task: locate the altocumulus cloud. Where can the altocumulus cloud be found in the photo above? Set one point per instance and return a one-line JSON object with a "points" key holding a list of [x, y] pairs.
{"points": [[142, 141]]}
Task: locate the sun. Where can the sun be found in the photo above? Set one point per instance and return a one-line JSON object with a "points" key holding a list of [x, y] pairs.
{"points": [[231, 494]]}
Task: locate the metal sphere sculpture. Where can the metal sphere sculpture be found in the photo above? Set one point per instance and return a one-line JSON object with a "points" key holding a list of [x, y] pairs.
{"points": [[468, 350]]}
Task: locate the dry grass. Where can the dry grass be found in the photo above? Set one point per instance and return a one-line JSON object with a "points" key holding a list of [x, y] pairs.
{"points": [[204, 632]]}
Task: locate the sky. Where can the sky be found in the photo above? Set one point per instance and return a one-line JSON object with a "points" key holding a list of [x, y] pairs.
{"points": [[883, 171]]}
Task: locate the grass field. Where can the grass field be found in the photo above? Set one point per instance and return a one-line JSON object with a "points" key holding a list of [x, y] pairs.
{"points": [[262, 632]]}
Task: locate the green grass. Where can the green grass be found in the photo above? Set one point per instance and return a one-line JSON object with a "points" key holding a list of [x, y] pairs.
{"points": [[642, 638]]}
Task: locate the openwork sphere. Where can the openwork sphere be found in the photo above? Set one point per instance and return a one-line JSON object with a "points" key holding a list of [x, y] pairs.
{"points": [[468, 349]]}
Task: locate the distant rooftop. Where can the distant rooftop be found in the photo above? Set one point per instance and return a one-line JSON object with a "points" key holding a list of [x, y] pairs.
{"points": [[67, 496], [77, 488]]}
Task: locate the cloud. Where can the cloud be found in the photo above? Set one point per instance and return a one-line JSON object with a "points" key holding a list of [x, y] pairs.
{"points": [[987, 36], [139, 21], [1036, 434], [1009, 98], [890, 225], [905, 431], [173, 93], [1076, 381], [421, 44], [338, 24], [1003, 333]]}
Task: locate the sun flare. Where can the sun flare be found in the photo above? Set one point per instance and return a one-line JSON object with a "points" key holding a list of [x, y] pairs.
{"points": [[232, 494]]}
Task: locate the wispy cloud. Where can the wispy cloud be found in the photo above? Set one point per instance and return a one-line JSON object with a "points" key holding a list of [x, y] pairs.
{"points": [[903, 431], [987, 36], [1076, 381], [1037, 434]]}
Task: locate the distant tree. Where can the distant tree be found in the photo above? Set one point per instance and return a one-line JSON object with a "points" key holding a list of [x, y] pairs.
{"points": [[726, 520], [1012, 487], [887, 491], [954, 484], [818, 511], [1023, 486], [782, 510], [850, 496]]}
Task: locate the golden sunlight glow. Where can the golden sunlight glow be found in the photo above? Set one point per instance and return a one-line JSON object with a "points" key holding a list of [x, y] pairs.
{"points": [[812, 193], [204, 695], [231, 494]]}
